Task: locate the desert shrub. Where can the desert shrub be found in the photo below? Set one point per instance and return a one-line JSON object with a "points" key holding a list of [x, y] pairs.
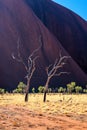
{"points": [[2, 91], [61, 90], [33, 90], [78, 89], [21, 85], [20, 88], [41, 89], [84, 90], [49, 90], [71, 87], [64, 90], [17, 90], [7, 92]]}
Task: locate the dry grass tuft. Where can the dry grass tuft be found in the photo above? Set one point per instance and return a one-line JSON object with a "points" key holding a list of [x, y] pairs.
{"points": [[56, 103]]}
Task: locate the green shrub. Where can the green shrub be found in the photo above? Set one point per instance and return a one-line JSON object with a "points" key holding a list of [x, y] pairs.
{"points": [[41, 89], [33, 90], [78, 89], [60, 90], [20, 88], [84, 90], [71, 87], [2, 91], [17, 90]]}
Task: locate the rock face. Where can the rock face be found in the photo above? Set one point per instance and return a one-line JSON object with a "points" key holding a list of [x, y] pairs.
{"points": [[18, 21], [69, 28]]}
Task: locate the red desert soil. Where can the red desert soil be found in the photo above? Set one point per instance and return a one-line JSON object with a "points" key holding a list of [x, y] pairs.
{"points": [[16, 118], [36, 115]]}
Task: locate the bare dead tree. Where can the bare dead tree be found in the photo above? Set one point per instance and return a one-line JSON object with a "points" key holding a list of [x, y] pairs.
{"points": [[29, 66], [52, 70]]}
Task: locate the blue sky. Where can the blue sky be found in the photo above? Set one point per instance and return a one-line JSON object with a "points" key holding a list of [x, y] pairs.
{"points": [[78, 6]]}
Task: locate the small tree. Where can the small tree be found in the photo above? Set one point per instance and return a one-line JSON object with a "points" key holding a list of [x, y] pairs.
{"points": [[52, 70], [71, 87], [78, 89]]}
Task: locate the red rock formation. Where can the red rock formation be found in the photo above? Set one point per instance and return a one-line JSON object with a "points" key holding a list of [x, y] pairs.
{"points": [[17, 20], [68, 27]]}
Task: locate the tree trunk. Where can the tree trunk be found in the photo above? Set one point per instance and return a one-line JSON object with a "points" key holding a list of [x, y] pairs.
{"points": [[46, 89], [26, 97], [27, 90], [44, 100]]}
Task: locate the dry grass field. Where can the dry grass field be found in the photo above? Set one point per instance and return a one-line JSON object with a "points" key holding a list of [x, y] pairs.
{"points": [[60, 112]]}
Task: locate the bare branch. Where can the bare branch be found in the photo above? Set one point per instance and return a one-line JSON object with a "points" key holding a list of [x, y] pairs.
{"points": [[56, 62], [53, 68], [14, 58], [19, 57], [59, 74], [35, 58], [47, 68], [57, 65], [62, 59], [29, 62], [32, 58]]}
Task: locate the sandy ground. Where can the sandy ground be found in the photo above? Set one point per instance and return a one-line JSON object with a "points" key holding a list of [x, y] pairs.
{"points": [[15, 115]]}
